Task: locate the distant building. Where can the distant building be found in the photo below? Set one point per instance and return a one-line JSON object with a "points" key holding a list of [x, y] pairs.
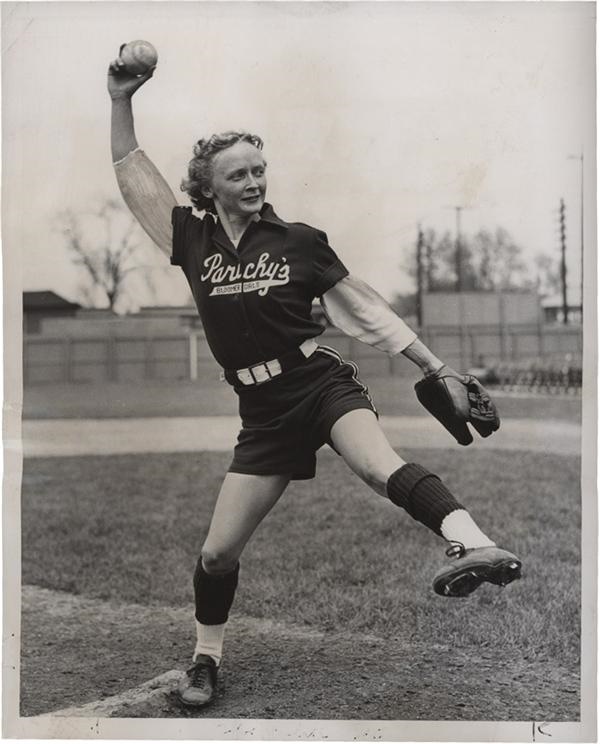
{"points": [[469, 309], [553, 310], [184, 315], [38, 306], [149, 321]]}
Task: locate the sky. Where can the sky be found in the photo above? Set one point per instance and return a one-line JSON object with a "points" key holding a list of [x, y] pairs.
{"points": [[376, 116]]}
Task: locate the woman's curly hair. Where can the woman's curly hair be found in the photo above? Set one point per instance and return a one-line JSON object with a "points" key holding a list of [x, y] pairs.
{"points": [[200, 166]]}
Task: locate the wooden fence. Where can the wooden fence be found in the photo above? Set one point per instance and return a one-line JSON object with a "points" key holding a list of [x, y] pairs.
{"points": [[186, 355]]}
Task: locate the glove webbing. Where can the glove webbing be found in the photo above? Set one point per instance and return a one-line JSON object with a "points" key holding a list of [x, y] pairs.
{"points": [[422, 494]]}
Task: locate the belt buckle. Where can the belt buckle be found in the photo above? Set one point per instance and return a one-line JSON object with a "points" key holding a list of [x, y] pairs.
{"points": [[245, 377], [260, 372]]}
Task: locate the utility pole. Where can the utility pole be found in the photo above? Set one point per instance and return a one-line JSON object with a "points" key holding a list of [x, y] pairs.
{"points": [[420, 243], [580, 158], [563, 262], [429, 254]]}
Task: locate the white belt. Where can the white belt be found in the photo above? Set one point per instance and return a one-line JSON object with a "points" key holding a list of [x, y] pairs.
{"points": [[266, 370]]}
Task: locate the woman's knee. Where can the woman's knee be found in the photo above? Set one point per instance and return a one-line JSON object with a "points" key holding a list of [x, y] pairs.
{"points": [[373, 475], [375, 468], [217, 560], [359, 439]]}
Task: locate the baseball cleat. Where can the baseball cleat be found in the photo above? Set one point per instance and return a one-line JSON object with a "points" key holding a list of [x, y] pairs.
{"points": [[469, 568], [197, 687]]}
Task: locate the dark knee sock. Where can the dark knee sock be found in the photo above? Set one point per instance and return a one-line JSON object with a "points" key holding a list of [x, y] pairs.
{"points": [[422, 494], [214, 594]]}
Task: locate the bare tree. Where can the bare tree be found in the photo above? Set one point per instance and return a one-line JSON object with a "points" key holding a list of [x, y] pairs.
{"points": [[548, 274], [491, 261], [496, 262], [438, 262], [114, 255]]}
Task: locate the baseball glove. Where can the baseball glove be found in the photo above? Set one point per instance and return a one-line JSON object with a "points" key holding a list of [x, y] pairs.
{"points": [[456, 400]]}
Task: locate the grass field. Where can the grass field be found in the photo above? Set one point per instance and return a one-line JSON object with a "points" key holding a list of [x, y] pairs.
{"points": [[392, 395], [331, 555], [335, 587]]}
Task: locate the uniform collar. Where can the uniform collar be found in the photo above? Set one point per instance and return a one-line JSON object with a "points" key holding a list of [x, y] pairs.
{"points": [[267, 215]]}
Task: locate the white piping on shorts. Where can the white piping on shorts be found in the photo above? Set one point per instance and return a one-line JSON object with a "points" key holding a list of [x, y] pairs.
{"points": [[353, 366]]}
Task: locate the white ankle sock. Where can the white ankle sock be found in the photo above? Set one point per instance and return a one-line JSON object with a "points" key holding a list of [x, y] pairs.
{"points": [[209, 641], [458, 526]]}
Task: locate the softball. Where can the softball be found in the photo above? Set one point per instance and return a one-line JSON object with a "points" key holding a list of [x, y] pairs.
{"points": [[138, 57]]}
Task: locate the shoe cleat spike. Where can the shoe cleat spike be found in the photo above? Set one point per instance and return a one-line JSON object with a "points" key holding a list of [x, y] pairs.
{"points": [[476, 566]]}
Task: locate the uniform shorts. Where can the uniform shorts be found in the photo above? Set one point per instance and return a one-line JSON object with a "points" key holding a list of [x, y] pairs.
{"points": [[286, 420]]}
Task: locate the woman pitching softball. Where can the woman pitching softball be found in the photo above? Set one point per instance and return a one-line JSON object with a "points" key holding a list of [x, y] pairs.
{"points": [[254, 277]]}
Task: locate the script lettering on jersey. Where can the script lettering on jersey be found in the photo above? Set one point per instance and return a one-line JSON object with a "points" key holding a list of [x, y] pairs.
{"points": [[257, 276]]}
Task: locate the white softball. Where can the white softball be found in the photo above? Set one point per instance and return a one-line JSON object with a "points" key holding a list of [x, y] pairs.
{"points": [[138, 56]]}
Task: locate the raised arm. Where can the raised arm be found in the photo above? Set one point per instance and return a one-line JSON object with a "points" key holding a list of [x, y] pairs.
{"points": [[359, 311], [144, 190]]}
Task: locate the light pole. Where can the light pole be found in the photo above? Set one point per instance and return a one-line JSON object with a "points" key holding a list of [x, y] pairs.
{"points": [[580, 158]]}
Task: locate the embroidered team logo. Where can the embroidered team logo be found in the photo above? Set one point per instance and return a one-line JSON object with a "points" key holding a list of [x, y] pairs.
{"points": [[254, 277]]}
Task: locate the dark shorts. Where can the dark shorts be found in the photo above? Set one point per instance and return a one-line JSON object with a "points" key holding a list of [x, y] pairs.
{"points": [[286, 420]]}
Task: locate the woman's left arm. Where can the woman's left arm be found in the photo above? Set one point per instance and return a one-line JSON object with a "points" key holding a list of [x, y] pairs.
{"points": [[455, 400], [359, 311]]}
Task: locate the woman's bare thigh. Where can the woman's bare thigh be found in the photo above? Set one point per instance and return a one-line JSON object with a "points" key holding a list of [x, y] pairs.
{"points": [[243, 502], [358, 437]]}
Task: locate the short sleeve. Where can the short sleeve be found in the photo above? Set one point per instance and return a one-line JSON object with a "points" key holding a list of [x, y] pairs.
{"points": [[328, 269], [184, 222]]}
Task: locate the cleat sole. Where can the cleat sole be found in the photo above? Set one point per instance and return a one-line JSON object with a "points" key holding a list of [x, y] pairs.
{"points": [[464, 582], [193, 705], [505, 573]]}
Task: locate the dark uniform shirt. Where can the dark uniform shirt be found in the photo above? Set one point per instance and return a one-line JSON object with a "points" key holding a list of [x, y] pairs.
{"points": [[254, 302]]}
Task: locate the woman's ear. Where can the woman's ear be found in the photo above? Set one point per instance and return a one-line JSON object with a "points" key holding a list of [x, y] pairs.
{"points": [[207, 192]]}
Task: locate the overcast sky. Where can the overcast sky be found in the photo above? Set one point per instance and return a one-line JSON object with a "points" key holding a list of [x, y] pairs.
{"points": [[375, 116]]}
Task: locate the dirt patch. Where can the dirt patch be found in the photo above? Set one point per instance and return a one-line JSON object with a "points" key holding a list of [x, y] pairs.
{"points": [[66, 437], [77, 650]]}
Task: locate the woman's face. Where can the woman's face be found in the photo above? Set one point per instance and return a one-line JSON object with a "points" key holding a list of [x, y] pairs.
{"points": [[238, 180]]}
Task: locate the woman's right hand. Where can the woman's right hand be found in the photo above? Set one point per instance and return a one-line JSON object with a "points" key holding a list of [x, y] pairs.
{"points": [[122, 84]]}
